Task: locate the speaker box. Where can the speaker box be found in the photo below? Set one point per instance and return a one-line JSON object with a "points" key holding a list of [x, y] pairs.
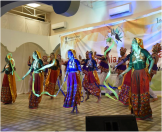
{"points": [[111, 123]]}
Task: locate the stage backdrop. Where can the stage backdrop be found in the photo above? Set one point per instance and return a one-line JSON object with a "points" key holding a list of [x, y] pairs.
{"points": [[147, 27]]}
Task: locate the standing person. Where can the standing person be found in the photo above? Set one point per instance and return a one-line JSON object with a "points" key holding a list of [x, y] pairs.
{"points": [[45, 62], [120, 68], [139, 99], [156, 49], [91, 81], [30, 80], [60, 62], [104, 66], [73, 96], [126, 84], [84, 68], [52, 75], [8, 92], [38, 80]]}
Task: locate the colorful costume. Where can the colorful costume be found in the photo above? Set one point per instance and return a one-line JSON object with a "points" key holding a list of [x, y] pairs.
{"points": [[156, 50], [103, 66], [122, 67], [30, 80], [53, 73], [38, 83], [73, 96], [91, 81], [126, 84], [8, 91], [140, 98]]}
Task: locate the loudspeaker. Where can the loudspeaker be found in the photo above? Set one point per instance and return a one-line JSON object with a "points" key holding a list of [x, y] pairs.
{"points": [[111, 123]]}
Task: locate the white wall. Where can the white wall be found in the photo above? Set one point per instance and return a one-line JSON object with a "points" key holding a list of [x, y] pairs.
{"points": [[24, 24], [86, 16], [14, 39]]}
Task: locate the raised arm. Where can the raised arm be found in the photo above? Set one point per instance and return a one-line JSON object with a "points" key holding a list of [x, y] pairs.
{"points": [[48, 65]]}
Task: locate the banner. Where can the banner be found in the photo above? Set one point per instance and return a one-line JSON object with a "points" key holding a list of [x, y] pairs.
{"points": [[147, 28]]}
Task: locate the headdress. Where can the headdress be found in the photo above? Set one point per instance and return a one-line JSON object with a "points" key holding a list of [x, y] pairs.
{"points": [[123, 49], [38, 53], [157, 48], [140, 42]]}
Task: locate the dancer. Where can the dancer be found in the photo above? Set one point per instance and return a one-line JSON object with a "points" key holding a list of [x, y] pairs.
{"points": [[30, 80], [60, 62], [84, 68], [73, 96], [103, 66], [122, 67], [126, 84], [38, 80], [139, 100], [53, 73], [91, 81], [8, 91], [45, 62], [156, 49]]}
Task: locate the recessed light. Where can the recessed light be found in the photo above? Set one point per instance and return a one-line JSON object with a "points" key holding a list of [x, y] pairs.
{"points": [[33, 5]]}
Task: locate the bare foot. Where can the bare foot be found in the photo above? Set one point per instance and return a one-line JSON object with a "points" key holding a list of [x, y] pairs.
{"points": [[154, 99], [98, 99], [51, 97], [86, 99], [77, 111]]}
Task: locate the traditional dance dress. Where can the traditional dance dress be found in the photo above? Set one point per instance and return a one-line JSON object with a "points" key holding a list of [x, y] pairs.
{"points": [[53, 73], [91, 81], [38, 84], [126, 84], [140, 98], [73, 96], [8, 91]]}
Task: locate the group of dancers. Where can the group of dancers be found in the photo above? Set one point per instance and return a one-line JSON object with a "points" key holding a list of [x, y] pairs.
{"points": [[134, 78]]}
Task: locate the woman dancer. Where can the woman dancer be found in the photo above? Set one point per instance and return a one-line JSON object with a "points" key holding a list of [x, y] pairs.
{"points": [[84, 68], [45, 62], [8, 92], [38, 80], [103, 66], [140, 100], [126, 84], [91, 81], [156, 49], [73, 96], [53, 73], [30, 80]]}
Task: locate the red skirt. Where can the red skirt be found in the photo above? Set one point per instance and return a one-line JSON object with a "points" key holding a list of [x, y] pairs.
{"points": [[51, 81], [125, 89], [140, 98], [73, 96], [6, 97], [38, 87], [90, 84]]}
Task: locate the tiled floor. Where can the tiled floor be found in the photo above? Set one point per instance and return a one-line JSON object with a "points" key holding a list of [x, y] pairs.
{"points": [[51, 116]]}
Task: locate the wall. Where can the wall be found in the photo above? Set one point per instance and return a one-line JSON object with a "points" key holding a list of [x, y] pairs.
{"points": [[86, 17], [14, 39]]}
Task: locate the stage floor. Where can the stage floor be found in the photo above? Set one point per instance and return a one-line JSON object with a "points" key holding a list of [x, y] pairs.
{"points": [[52, 116]]}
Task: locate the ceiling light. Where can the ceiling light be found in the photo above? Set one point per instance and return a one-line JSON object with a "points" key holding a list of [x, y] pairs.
{"points": [[33, 5]]}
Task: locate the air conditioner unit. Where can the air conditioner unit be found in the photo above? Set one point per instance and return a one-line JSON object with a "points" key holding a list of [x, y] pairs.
{"points": [[120, 10], [58, 25]]}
